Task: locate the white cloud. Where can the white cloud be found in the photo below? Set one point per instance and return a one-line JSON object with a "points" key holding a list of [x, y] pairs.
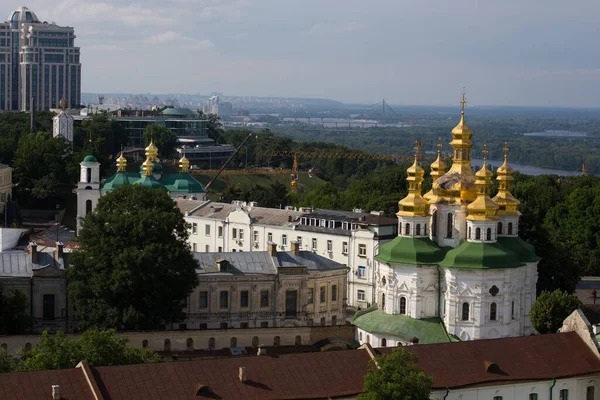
{"points": [[322, 29]]}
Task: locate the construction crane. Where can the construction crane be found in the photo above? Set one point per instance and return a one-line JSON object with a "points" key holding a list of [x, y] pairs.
{"points": [[209, 184]]}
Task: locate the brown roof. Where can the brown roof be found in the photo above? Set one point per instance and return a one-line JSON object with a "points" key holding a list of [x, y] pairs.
{"points": [[38, 385], [530, 358]]}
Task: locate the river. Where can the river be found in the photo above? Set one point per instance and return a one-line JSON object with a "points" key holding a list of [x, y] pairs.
{"points": [[526, 169]]}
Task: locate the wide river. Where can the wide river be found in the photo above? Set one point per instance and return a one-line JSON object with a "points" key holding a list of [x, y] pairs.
{"points": [[525, 169]]}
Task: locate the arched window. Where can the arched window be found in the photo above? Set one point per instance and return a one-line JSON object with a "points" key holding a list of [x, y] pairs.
{"points": [[449, 226], [418, 229], [211, 343], [88, 175], [144, 343], [563, 394], [359, 336], [368, 339], [465, 311], [488, 234], [383, 302], [233, 342], [497, 398], [255, 341], [276, 341], [402, 305], [383, 342], [407, 229], [88, 207], [510, 228], [167, 345], [590, 393], [499, 228], [298, 340], [470, 233], [189, 344], [424, 229], [493, 311], [478, 234], [434, 224], [512, 309]]}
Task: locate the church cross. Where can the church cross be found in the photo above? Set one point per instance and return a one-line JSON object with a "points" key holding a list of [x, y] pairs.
{"points": [[484, 152], [463, 101]]}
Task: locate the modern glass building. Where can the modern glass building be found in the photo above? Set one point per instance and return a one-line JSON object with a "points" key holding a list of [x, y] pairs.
{"points": [[39, 64]]}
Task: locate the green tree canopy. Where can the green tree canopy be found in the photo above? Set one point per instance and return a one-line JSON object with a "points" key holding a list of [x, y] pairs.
{"points": [[162, 137], [134, 268], [14, 316], [396, 377], [550, 310], [98, 348]]}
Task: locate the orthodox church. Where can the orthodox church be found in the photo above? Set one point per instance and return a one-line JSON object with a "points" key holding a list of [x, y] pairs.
{"points": [[458, 269], [90, 188]]}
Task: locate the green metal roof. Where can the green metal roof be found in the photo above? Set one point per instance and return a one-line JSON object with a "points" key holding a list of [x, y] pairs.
{"points": [[524, 250], [182, 183], [156, 168], [118, 179], [471, 255], [174, 183], [411, 251], [90, 159], [149, 182], [427, 330]]}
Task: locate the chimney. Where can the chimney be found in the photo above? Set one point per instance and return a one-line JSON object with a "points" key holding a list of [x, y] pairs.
{"points": [[272, 249], [34, 252], [262, 350], [59, 251], [55, 392], [222, 264], [242, 374], [295, 247]]}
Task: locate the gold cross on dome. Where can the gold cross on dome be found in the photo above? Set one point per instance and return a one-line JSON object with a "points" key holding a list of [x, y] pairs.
{"points": [[463, 101], [505, 150], [439, 145], [484, 152]]}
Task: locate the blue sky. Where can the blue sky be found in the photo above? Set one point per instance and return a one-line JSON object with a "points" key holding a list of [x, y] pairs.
{"points": [[511, 52]]}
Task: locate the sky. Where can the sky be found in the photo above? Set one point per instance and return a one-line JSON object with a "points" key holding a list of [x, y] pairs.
{"points": [[411, 52]]}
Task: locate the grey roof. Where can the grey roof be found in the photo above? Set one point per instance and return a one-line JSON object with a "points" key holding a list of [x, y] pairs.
{"points": [[260, 262], [220, 211], [18, 263]]}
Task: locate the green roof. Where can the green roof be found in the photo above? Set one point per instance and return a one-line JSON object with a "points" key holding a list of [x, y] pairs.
{"points": [[427, 330], [118, 179], [411, 251], [182, 183], [90, 159], [524, 250], [472, 255], [149, 182], [174, 183]]}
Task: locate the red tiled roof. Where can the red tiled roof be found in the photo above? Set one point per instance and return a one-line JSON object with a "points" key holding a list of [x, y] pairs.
{"points": [[38, 385], [543, 357], [291, 376]]}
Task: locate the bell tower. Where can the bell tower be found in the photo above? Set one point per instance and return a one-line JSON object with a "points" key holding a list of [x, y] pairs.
{"points": [[88, 187]]}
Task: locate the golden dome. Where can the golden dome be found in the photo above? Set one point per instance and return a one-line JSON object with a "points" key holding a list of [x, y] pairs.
{"points": [[147, 167], [184, 164], [414, 204], [507, 203], [483, 208], [121, 163], [438, 168], [152, 152]]}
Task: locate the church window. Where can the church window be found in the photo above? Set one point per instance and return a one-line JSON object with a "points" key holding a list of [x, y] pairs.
{"points": [[449, 227], [494, 290], [322, 294], [333, 292], [590, 393], [510, 228], [407, 229], [563, 394], [203, 299], [88, 207], [244, 297], [418, 229], [383, 301], [264, 298], [224, 299], [434, 224], [478, 234], [465, 312], [499, 228], [402, 305], [88, 175], [497, 398], [533, 396], [488, 234], [512, 309], [359, 335], [469, 232], [368, 339], [360, 295], [493, 311], [425, 229], [383, 342]]}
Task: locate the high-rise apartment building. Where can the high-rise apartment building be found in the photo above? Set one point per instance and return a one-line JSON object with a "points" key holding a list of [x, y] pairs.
{"points": [[39, 64]]}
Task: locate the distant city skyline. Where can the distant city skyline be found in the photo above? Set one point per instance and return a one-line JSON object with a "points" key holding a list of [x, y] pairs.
{"points": [[535, 53]]}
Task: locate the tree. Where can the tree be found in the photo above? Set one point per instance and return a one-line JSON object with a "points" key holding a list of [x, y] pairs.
{"points": [[14, 318], [134, 268], [550, 310], [9, 362], [396, 376], [98, 348], [214, 127], [162, 137]]}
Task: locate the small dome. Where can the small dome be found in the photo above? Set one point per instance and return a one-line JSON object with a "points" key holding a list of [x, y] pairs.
{"points": [[184, 164], [121, 163], [90, 159], [484, 172], [22, 14]]}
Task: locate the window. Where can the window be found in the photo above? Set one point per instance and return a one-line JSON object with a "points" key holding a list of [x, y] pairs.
{"points": [[465, 312], [224, 299], [322, 297], [533, 396], [493, 312], [589, 393], [264, 298], [244, 298], [497, 398], [88, 207], [334, 320], [469, 233], [510, 228], [284, 240], [407, 229], [223, 325], [264, 324], [418, 229], [329, 246], [311, 293], [564, 393], [383, 342], [333, 292], [362, 250], [207, 230], [434, 224], [477, 234], [360, 295], [234, 233], [203, 299], [383, 301], [403, 305], [220, 249], [270, 237], [314, 244], [344, 247], [362, 272], [194, 228], [449, 226], [323, 322], [193, 246], [488, 235], [242, 235], [500, 233], [255, 236], [512, 309], [220, 231], [299, 240], [207, 249]]}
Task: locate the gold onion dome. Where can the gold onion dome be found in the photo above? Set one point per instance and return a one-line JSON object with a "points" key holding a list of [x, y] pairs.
{"points": [[147, 167], [121, 163], [152, 152], [483, 208], [438, 167], [507, 203], [184, 164], [414, 204]]}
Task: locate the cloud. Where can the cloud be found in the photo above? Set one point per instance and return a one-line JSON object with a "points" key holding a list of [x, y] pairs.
{"points": [[322, 29], [178, 39], [240, 36]]}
